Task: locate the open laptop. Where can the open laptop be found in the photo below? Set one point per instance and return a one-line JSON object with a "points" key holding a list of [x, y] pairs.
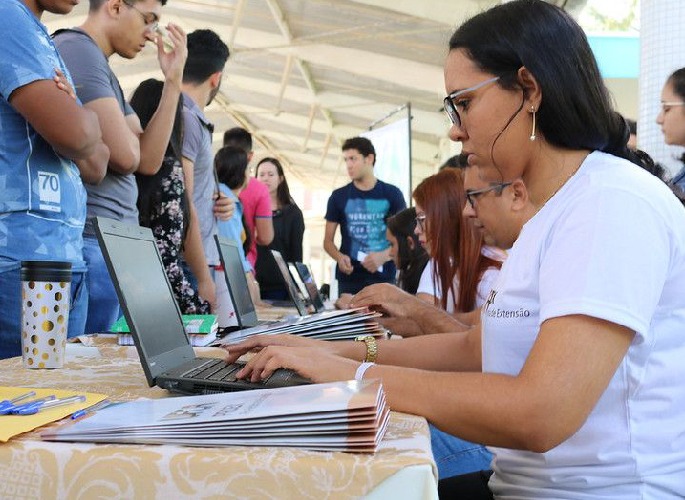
{"points": [[236, 282], [305, 275], [154, 318], [290, 284]]}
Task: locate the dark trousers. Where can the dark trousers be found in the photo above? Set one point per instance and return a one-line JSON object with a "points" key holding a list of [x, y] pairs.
{"points": [[473, 486]]}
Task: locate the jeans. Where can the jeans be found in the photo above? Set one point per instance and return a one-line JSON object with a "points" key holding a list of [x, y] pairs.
{"points": [[103, 302], [454, 456], [10, 305]]}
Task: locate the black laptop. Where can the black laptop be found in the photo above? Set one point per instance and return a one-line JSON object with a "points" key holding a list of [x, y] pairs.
{"points": [[236, 282], [154, 318]]}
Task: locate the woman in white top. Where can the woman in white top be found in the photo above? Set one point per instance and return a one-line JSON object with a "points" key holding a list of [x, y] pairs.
{"points": [[578, 383]]}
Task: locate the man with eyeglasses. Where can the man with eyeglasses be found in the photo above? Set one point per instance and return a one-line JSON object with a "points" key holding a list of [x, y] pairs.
{"points": [[120, 27], [361, 208]]}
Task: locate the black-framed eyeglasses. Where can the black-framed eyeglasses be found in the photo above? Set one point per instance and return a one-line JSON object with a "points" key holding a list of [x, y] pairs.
{"points": [[150, 19], [450, 102], [421, 222], [473, 194]]}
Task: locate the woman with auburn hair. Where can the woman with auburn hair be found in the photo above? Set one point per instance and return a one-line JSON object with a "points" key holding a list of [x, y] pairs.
{"points": [[461, 270]]}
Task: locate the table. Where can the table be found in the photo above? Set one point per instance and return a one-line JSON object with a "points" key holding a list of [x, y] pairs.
{"points": [[31, 468]]}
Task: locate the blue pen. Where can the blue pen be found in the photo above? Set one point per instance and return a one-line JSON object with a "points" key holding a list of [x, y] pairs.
{"points": [[13, 408], [7, 404], [32, 409], [97, 406]]}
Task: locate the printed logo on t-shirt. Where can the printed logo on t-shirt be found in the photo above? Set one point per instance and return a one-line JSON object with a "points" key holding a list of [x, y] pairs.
{"points": [[366, 224], [493, 311]]}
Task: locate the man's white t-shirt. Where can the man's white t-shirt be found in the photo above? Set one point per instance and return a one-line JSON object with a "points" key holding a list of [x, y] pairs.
{"points": [[611, 245], [428, 286]]}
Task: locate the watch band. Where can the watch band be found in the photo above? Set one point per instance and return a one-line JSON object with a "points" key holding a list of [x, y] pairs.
{"points": [[371, 347]]}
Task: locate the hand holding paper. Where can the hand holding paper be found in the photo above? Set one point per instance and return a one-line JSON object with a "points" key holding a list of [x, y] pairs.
{"points": [[372, 261]]}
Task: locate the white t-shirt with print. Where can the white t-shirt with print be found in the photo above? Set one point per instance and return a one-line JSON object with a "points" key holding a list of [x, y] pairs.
{"points": [[426, 284], [610, 244]]}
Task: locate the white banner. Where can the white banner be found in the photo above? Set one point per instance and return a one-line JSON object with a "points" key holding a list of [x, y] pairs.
{"points": [[393, 155]]}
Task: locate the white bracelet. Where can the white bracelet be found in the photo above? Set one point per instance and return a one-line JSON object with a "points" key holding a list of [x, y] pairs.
{"points": [[359, 375]]}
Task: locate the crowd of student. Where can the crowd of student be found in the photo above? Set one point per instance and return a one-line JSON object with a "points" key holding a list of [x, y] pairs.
{"points": [[536, 282]]}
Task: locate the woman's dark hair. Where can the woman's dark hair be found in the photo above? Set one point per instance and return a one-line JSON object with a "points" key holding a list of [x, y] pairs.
{"points": [[576, 110], [677, 82], [411, 260], [456, 161], [283, 191], [455, 246], [144, 101], [231, 164]]}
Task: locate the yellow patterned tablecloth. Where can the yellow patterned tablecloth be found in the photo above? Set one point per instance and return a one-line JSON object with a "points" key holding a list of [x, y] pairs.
{"points": [[31, 468]]}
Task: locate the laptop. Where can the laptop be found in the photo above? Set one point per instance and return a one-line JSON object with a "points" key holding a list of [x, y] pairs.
{"points": [[290, 284], [236, 282], [305, 275], [154, 318]]}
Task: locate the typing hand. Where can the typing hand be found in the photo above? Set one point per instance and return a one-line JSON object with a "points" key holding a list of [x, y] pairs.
{"points": [[314, 363], [259, 342], [390, 299]]}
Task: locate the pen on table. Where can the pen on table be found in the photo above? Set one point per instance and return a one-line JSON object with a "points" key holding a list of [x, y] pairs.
{"points": [[7, 404], [33, 408], [97, 406], [11, 408]]}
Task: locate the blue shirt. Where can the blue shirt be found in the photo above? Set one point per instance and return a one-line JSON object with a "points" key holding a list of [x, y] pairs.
{"points": [[42, 199], [233, 227], [362, 216]]}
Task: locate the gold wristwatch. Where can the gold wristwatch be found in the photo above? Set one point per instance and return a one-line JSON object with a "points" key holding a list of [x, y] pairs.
{"points": [[371, 347]]}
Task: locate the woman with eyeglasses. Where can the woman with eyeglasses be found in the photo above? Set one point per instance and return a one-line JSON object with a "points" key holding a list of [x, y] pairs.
{"points": [[576, 373], [461, 270], [671, 118]]}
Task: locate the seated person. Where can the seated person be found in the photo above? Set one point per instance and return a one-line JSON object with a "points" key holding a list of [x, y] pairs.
{"points": [[405, 250], [574, 377]]}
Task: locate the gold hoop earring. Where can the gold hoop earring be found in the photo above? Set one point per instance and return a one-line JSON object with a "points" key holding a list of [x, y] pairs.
{"points": [[532, 133]]}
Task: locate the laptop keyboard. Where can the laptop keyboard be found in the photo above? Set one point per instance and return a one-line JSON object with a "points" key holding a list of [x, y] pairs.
{"points": [[215, 369]]}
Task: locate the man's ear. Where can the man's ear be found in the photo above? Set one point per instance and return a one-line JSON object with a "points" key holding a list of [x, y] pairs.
{"points": [[215, 79], [113, 7], [520, 195]]}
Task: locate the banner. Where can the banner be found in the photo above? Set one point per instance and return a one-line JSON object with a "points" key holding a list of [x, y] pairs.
{"points": [[393, 155]]}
